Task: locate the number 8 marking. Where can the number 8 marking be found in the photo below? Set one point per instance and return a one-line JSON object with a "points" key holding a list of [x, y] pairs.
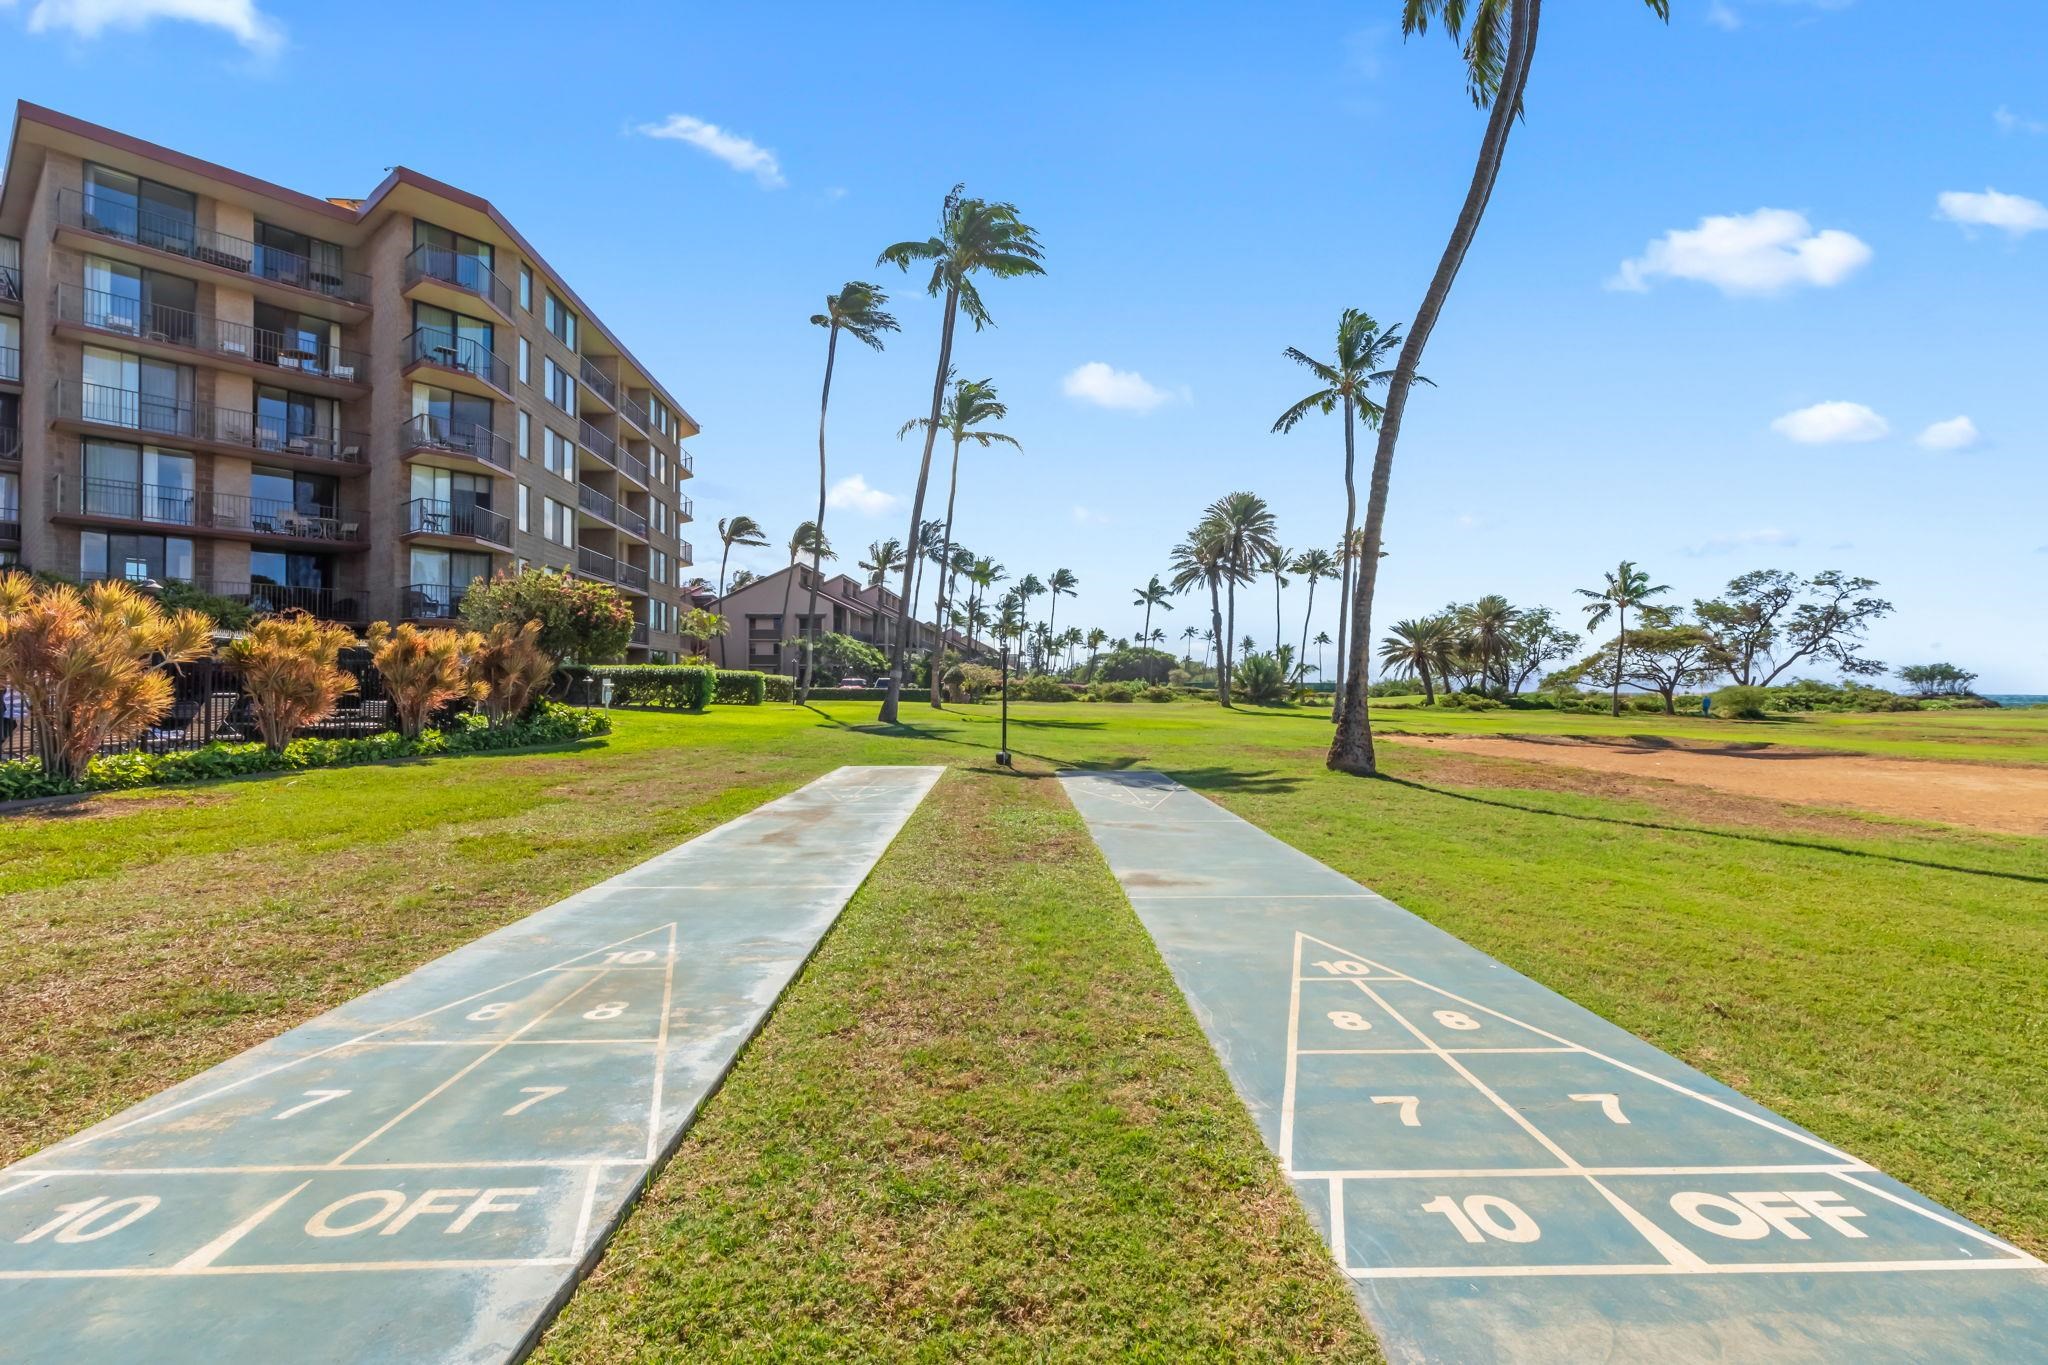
{"points": [[1464, 1023], [1350, 1020], [610, 1009]]}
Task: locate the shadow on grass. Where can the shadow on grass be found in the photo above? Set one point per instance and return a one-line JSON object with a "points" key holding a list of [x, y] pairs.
{"points": [[1772, 840]]}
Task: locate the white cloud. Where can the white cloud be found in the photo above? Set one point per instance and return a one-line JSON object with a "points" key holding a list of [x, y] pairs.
{"points": [[1770, 537], [1088, 516], [2009, 122], [1756, 253], [2015, 214], [1465, 521], [1722, 17], [1124, 390], [853, 494], [1826, 424], [1957, 433], [742, 154], [252, 28]]}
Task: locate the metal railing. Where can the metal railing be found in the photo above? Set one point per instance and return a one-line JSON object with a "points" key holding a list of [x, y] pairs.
{"points": [[433, 601], [10, 283], [600, 565], [686, 462], [127, 317], [686, 509], [440, 517], [602, 505], [458, 270], [428, 432], [10, 523], [634, 413], [438, 346], [170, 505], [685, 554], [10, 443], [129, 410], [609, 451], [10, 363], [599, 383], [639, 632], [161, 231]]}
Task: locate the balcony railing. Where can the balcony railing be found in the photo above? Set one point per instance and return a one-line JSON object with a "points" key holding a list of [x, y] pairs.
{"points": [[639, 632], [460, 271], [10, 523], [686, 509], [686, 462], [126, 317], [601, 505], [167, 505], [434, 601], [685, 554], [599, 383], [10, 363], [10, 443], [130, 410], [161, 231], [10, 283], [599, 565], [613, 454], [634, 413], [438, 517], [428, 432], [438, 346]]}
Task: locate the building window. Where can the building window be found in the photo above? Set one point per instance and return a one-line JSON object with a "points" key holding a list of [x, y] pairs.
{"points": [[525, 435], [558, 453], [560, 387], [103, 554], [523, 509], [526, 289], [561, 323], [525, 362]]}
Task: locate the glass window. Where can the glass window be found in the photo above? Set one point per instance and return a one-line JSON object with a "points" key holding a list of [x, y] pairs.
{"points": [[560, 387], [105, 554], [525, 435], [525, 362], [523, 496], [526, 289], [561, 323]]}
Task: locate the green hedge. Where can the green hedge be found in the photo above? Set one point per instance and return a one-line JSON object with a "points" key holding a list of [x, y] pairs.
{"points": [[738, 688], [680, 687], [851, 694], [778, 687], [550, 724]]}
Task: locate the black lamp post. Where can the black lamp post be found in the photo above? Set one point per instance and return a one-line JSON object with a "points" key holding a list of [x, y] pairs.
{"points": [[1003, 747]]}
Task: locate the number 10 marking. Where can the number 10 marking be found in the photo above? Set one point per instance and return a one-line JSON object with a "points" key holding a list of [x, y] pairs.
{"points": [[1482, 1217]]}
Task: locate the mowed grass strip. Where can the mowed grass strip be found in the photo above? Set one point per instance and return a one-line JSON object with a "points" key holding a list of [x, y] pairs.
{"points": [[983, 1124]]}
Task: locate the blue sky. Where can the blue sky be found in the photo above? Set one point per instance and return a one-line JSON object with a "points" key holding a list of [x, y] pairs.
{"points": [[1213, 184]]}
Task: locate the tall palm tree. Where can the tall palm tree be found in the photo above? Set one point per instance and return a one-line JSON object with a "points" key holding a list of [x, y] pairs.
{"points": [[1060, 583], [1417, 648], [883, 556], [1313, 565], [1487, 623], [1277, 561], [738, 530], [1189, 636], [1626, 587], [972, 402], [1347, 385], [984, 574], [1203, 559], [1153, 594], [1322, 638], [974, 237], [857, 310], [1498, 49], [806, 542], [1248, 531]]}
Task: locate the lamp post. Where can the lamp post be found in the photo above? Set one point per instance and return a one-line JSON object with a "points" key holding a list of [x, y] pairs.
{"points": [[1003, 746]]}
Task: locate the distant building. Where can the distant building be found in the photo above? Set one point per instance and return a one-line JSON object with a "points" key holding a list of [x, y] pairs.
{"points": [[759, 636]]}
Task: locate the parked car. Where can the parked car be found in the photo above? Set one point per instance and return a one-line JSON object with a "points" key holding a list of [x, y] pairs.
{"points": [[852, 684]]}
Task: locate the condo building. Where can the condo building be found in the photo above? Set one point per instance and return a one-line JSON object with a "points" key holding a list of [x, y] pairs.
{"points": [[357, 407]]}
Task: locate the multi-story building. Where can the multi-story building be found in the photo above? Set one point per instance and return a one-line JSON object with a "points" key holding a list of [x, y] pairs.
{"points": [[756, 635], [359, 407]]}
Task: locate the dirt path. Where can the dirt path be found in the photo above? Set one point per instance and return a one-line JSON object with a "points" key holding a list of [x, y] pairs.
{"points": [[2009, 799]]}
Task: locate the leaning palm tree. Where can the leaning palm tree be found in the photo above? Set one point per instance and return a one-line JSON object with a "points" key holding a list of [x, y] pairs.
{"points": [[806, 542], [1498, 47], [1626, 587], [1153, 594], [1059, 583], [857, 311], [1417, 649], [1361, 349], [974, 237], [738, 530], [1313, 565], [973, 402]]}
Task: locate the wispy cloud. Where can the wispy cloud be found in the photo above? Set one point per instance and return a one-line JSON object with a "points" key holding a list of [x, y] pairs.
{"points": [[1826, 424], [2009, 122], [1957, 433], [852, 494], [248, 25], [1768, 538], [741, 153], [1088, 516], [1106, 387], [1755, 253], [1723, 16], [2013, 214]]}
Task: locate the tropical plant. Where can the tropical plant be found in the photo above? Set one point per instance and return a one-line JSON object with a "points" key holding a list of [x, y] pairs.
{"points": [[735, 530], [1313, 565], [1417, 649], [1497, 47], [1203, 559], [1188, 638], [1247, 526], [698, 627], [1626, 587], [290, 670], [1322, 639], [1938, 680], [423, 670], [1059, 583], [80, 660], [1487, 625], [857, 310], [511, 669], [581, 622], [1153, 594], [1277, 560], [975, 237], [1770, 620], [1260, 679], [806, 542], [883, 556], [1533, 641]]}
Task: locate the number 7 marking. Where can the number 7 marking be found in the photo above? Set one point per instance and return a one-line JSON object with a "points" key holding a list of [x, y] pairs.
{"points": [[1610, 1105], [320, 1097], [539, 1093], [1409, 1104]]}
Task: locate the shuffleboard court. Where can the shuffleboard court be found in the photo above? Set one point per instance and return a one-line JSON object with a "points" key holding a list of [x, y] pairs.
{"points": [[424, 1173], [1505, 1175]]}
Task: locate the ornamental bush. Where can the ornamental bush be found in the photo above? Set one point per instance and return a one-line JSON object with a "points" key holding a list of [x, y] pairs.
{"points": [[674, 687], [738, 687], [580, 621], [778, 687], [1039, 687]]}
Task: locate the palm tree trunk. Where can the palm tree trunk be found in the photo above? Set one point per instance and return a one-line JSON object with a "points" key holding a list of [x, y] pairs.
{"points": [[1620, 644], [783, 620], [924, 474], [1148, 617], [810, 634], [1344, 551], [1276, 612], [945, 569], [723, 556], [1303, 656], [1216, 626], [1229, 641], [1428, 688], [1351, 747]]}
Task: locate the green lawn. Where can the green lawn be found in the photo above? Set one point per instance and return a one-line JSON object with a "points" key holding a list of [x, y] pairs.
{"points": [[982, 1123]]}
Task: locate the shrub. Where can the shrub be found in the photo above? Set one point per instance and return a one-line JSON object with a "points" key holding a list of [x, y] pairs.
{"points": [[1158, 693], [1113, 691], [836, 656], [778, 687], [1743, 703], [1039, 687], [289, 669], [971, 681], [225, 612], [1135, 665], [423, 670], [1395, 687], [1258, 679], [675, 687], [511, 669], [580, 621], [737, 687]]}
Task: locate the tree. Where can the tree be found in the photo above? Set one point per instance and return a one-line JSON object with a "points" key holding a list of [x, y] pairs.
{"points": [[1533, 641], [702, 625], [1486, 625], [1260, 679], [975, 237], [1247, 527], [1770, 619], [806, 542], [1278, 559], [82, 662], [1202, 559], [857, 310], [1417, 648], [291, 672], [1153, 594], [1667, 652], [1060, 583], [1937, 680], [1361, 347], [840, 656], [1189, 636], [972, 403], [1497, 49], [581, 622], [1626, 587], [737, 530], [1312, 565], [883, 556], [1322, 639], [423, 670], [511, 669]]}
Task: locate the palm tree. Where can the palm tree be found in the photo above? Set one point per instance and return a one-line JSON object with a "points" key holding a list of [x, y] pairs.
{"points": [[857, 311], [1312, 565], [1153, 594], [1203, 559], [1497, 54], [1417, 648], [973, 402], [1278, 559], [974, 236], [1061, 583], [1361, 348], [738, 530], [1322, 638], [807, 541], [984, 574], [1626, 587], [1248, 531], [883, 556], [1487, 623]]}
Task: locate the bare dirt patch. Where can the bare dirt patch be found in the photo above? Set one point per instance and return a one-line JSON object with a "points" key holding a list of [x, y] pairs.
{"points": [[2010, 800]]}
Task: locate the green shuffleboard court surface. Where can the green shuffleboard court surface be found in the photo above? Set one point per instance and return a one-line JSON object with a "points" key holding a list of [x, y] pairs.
{"points": [[1506, 1176], [423, 1174]]}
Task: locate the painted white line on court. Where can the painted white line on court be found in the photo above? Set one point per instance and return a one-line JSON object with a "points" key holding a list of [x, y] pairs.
{"points": [[1955, 1224], [1520, 1172], [1471, 1272], [208, 1254]]}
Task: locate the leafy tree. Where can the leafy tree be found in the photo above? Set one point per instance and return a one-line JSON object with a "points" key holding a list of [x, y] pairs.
{"points": [[511, 669], [737, 530], [1203, 559], [1533, 641], [291, 672], [581, 622], [423, 670], [806, 542], [975, 237], [1937, 680], [702, 625], [1260, 679], [1497, 46], [1134, 664], [1666, 653], [840, 656], [1153, 594], [1418, 649], [1769, 620], [1627, 587]]}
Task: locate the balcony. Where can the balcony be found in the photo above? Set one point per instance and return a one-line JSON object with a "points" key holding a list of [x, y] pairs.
{"points": [[10, 284], [598, 565], [10, 364], [607, 509], [448, 353], [609, 451], [686, 464], [234, 514], [685, 555], [600, 383], [455, 270], [433, 601], [256, 349], [457, 520], [265, 598], [154, 231], [440, 436], [135, 414], [639, 633], [686, 510], [10, 524], [10, 443]]}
